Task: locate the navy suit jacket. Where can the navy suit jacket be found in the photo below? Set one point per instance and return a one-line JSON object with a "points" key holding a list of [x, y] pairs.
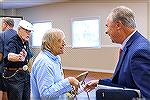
{"points": [[133, 68]]}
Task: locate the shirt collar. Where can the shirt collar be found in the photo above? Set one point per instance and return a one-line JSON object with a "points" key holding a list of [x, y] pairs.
{"points": [[8, 30], [126, 40], [50, 55]]}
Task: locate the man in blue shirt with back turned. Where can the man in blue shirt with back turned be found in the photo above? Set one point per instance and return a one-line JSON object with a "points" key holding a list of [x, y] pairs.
{"points": [[7, 33]]}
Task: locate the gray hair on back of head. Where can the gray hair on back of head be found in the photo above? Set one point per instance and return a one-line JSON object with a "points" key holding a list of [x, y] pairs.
{"points": [[125, 15], [50, 37], [9, 21]]}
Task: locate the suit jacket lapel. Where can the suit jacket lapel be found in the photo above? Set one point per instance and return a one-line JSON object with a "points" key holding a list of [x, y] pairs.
{"points": [[123, 54], [124, 51]]}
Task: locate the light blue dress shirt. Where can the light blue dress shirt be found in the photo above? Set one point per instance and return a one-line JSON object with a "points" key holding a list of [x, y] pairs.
{"points": [[47, 79]]}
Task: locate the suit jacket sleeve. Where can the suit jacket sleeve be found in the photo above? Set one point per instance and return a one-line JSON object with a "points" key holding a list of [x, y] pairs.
{"points": [[108, 82]]}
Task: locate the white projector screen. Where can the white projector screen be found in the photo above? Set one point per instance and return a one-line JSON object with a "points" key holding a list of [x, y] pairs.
{"points": [[38, 32], [86, 32]]}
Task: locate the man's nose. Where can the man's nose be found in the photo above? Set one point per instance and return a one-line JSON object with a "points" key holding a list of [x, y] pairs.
{"points": [[64, 43]]}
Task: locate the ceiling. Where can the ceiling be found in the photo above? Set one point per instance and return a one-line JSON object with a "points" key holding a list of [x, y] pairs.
{"points": [[11, 4]]}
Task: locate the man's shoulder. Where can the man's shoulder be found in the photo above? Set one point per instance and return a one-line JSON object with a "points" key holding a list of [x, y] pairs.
{"points": [[10, 33], [139, 39], [10, 30], [12, 39]]}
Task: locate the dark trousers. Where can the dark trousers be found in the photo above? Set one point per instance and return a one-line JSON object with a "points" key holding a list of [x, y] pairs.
{"points": [[2, 87], [17, 86]]}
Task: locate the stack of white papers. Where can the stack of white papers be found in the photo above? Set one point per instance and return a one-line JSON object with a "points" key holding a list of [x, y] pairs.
{"points": [[110, 87]]}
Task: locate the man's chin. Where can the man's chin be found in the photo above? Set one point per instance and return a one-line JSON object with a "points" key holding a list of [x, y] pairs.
{"points": [[61, 52], [26, 39]]}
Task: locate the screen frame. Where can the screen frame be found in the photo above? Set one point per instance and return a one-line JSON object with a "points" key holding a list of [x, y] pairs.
{"points": [[13, 17]]}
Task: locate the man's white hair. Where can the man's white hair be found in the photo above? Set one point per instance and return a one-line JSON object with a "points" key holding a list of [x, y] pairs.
{"points": [[50, 37], [125, 15]]}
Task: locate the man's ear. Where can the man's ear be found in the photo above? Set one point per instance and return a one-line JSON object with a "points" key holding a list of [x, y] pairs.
{"points": [[19, 28], [119, 25]]}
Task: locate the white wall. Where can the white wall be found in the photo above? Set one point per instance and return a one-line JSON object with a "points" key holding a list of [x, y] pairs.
{"points": [[103, 59], [62, 13], [10, 12], [1, 12]]}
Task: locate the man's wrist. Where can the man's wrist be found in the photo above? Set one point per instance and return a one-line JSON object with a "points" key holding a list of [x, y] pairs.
{"points": [[99, 81]]}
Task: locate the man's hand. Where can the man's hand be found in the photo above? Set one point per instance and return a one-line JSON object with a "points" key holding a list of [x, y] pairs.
{"points": [[90, 85], [75, 83], [22, 55]]}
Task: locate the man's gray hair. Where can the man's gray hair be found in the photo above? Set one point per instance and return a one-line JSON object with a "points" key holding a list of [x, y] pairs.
{"points": [[9, 21], [123, 14], [50, 37]]}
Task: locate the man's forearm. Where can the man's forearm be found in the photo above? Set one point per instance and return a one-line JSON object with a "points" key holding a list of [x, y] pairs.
{"points": [[13, 57]]}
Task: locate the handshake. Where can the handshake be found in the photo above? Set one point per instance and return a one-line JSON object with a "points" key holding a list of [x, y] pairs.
{"points": [[76, 82]]}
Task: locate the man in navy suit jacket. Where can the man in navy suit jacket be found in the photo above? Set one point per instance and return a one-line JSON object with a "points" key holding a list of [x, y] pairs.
{"points": [[133, 68]]}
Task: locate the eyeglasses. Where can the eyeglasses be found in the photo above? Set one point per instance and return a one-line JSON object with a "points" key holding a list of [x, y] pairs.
{"points": [[27, 31]]}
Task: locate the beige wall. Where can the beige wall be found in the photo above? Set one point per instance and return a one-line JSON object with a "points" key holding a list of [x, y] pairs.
{"points": [[62, 13], [1, 12], [10, 12], [102, 59]]}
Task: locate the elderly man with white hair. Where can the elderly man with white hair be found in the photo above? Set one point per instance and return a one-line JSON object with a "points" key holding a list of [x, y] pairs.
{"points": [[47, 78], [16, 57]]}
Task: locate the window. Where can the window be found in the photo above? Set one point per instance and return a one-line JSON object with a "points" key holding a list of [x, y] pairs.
{"points": [[85, 32], [38, 32]]}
